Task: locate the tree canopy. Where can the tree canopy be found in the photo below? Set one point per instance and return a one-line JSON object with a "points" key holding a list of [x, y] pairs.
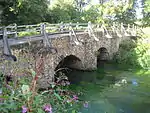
{"points": [[24, 11], [36, 11]]}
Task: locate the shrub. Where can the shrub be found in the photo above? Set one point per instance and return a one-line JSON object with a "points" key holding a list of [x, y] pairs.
{"points": [[134, 53]]}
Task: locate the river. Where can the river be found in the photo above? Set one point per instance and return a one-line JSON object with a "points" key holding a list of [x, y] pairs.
{"points": [[113, 90]]}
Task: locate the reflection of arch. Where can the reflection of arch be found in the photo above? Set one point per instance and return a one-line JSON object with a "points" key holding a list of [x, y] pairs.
{"points": [[69, 62], [102, 56]]}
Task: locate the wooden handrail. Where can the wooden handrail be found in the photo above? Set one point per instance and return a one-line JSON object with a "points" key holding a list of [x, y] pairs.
{"points": [[54, 28]]}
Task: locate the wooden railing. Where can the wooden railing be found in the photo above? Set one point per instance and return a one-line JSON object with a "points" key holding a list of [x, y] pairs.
{"points": [[25, 30], [15, 31]]}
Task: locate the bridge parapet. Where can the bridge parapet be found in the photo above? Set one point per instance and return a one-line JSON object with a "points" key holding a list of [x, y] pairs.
{"points": [[45, 32], [37, 29], [15, 35]]}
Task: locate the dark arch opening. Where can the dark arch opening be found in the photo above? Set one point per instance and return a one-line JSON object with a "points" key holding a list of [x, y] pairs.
{"points": [[102, 57], [66, 65]]}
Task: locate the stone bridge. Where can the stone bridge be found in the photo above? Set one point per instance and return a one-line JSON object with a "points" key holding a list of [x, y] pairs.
{"points": [[79, 46]]}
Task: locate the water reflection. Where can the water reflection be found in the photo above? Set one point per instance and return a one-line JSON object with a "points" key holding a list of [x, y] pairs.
{"points": [[104, 95]]}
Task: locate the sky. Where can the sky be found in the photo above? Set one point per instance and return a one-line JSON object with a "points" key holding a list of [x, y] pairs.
{"points": [[139, 9], [93, 2]]}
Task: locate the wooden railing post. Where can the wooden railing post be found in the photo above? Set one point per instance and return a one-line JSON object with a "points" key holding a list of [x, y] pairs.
{"points": [[15, 28], [89, 24], [77, 25], [91, 31], [113, 27], [70, 32], [73, 36], [43, 32], [89, 28], [42, 29], [61, 27], [6, 46], [121, 27], [70, 26], [134, 30]]}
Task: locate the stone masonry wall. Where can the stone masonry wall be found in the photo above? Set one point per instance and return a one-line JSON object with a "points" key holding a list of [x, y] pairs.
{"points": [[27, 54]]}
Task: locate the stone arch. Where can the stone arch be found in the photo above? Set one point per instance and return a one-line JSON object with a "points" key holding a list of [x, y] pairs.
{"points": [[69, 62], [102, 56]]}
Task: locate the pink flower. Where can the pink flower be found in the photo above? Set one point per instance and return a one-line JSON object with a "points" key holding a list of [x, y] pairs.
{"points": [[47, 108], [67, 83], [24, 109], [75, 97]]}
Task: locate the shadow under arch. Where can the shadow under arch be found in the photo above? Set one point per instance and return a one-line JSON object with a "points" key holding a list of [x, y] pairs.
{"points": [[102, 57], [67, 64]]}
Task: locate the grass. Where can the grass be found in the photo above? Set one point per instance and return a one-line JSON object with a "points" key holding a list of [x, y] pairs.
{"points": [[23, 34]]}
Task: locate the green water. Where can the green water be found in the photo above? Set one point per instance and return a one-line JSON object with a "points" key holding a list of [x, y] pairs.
{"points": [[114, 90]]}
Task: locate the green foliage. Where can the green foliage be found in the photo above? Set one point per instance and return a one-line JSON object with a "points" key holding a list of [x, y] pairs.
{"points": [[127, 16], [108, 12], [90, 15], [63, 13], [146, 19], [24, 11], [126, 54], [22, 34], [36, 11], [31, 11], [134, 53], [23, 91]]}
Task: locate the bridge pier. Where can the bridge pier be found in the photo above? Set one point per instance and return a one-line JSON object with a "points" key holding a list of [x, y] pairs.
{"points": [[90, 62]]}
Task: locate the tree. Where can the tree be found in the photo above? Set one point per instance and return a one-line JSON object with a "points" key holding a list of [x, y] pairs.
{"points": [[92, 14], [63, 13], [24, 11], [146, 18], [32, 11], [123, 11], [5, 6], [80, 4], [101, 1]]}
